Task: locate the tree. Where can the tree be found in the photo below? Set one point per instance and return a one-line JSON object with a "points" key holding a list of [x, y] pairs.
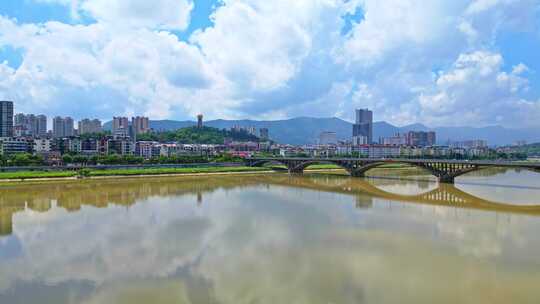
{"points": [[67, 159], [24, 159], [80, 159]]}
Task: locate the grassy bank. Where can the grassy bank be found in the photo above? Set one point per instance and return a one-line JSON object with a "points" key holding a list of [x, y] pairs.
{"points": [[23, 175], [37, 174], [127, 172], [27, 175]]}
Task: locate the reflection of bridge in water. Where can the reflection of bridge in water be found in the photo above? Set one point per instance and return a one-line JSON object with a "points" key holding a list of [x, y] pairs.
{"points": [[102, 194], [444, 195]]}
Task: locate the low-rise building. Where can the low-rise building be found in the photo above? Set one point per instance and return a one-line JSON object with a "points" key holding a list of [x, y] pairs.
{"points": [[42, 145], [470, 144], [243, 146], [11, 146], [411, 152], [120, 146], [51, 158], [377, 151], [89, 146], [74, 145], [328, 138], [147, 149]]}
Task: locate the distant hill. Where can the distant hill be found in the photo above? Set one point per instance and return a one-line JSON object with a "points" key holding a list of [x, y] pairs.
{"points": [[305, 130]]}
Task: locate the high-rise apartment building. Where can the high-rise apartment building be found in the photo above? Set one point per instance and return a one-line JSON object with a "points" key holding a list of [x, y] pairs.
{"points": [[120, 126], [30, 125], [252, 131], [6, 118], [58, 127], [63, 127], [89, 126], [20, 125], [264, 134], [69, 129], [141, 125], [363, 127], [41, 126]]}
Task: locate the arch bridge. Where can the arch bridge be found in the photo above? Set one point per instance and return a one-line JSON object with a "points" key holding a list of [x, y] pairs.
{"points": [[445, 170]]}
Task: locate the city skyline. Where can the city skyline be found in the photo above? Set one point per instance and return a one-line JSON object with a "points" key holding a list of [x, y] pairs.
{"points": [[175, 59]]}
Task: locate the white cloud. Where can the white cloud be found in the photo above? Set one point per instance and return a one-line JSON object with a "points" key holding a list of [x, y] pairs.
{"points": [[409, 60], [476, 91], [398, 24], [261, 45], [164, 14], [95, 70]]}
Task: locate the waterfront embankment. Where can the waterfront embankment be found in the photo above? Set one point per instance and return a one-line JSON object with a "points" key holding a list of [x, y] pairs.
{"points": [[54, 174]]}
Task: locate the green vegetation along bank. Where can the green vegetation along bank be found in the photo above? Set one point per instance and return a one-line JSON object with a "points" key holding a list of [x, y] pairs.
{"points": [[89, 173], [23, 175]]}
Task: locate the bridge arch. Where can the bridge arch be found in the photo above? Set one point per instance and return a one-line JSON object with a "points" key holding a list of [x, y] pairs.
{"points": [[300, 167], [444, 171], [261, 163]]}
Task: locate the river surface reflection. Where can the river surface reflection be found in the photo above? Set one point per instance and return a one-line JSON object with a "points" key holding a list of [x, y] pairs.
{"points": [[317, 238]]}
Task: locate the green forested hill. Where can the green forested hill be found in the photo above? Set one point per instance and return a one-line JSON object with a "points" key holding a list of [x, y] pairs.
{"points": [[194, 135]]}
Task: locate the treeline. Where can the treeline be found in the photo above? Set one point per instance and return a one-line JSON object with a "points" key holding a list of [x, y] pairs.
{"points": [[194, 135], [21, 159], [115, 159], [530, 149], [25, 159]]}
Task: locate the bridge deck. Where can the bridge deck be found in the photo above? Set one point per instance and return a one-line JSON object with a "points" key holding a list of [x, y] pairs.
{"points": [[407, 160], [445, 170]]}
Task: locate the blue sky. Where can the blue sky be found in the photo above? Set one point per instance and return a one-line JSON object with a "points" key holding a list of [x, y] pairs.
{"points": [[463, 62]]}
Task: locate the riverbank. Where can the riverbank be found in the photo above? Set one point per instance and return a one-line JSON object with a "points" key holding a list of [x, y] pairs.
{"points": [[7, 177], [38, 176]]}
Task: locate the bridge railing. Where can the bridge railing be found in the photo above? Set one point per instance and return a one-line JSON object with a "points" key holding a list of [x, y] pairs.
{"points": [[407, 160]]}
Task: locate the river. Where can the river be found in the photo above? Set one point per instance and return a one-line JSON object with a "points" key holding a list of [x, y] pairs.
{"points": [[275, 238]]}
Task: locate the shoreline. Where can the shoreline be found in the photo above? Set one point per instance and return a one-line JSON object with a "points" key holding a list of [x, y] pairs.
{"points": [[30, 180], [15, 181]]}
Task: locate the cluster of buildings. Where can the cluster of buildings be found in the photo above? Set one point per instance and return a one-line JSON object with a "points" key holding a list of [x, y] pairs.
{"points": [[409, 144], [263, 133], [411, 138], [122, 127], [28, 133], [344, 149]]}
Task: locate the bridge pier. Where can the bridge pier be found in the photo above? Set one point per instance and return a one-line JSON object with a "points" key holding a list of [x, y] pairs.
{"points": [[447, 179], [357, 173], [295, 171]]}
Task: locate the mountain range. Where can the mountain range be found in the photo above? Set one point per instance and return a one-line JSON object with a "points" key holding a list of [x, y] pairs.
{"points": [[306, 130]]}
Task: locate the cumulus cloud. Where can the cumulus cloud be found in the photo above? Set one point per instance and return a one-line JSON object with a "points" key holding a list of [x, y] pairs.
{"points": [[272, 59], [163, 14], [93, 69], [477, 91], [166, 14]]}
